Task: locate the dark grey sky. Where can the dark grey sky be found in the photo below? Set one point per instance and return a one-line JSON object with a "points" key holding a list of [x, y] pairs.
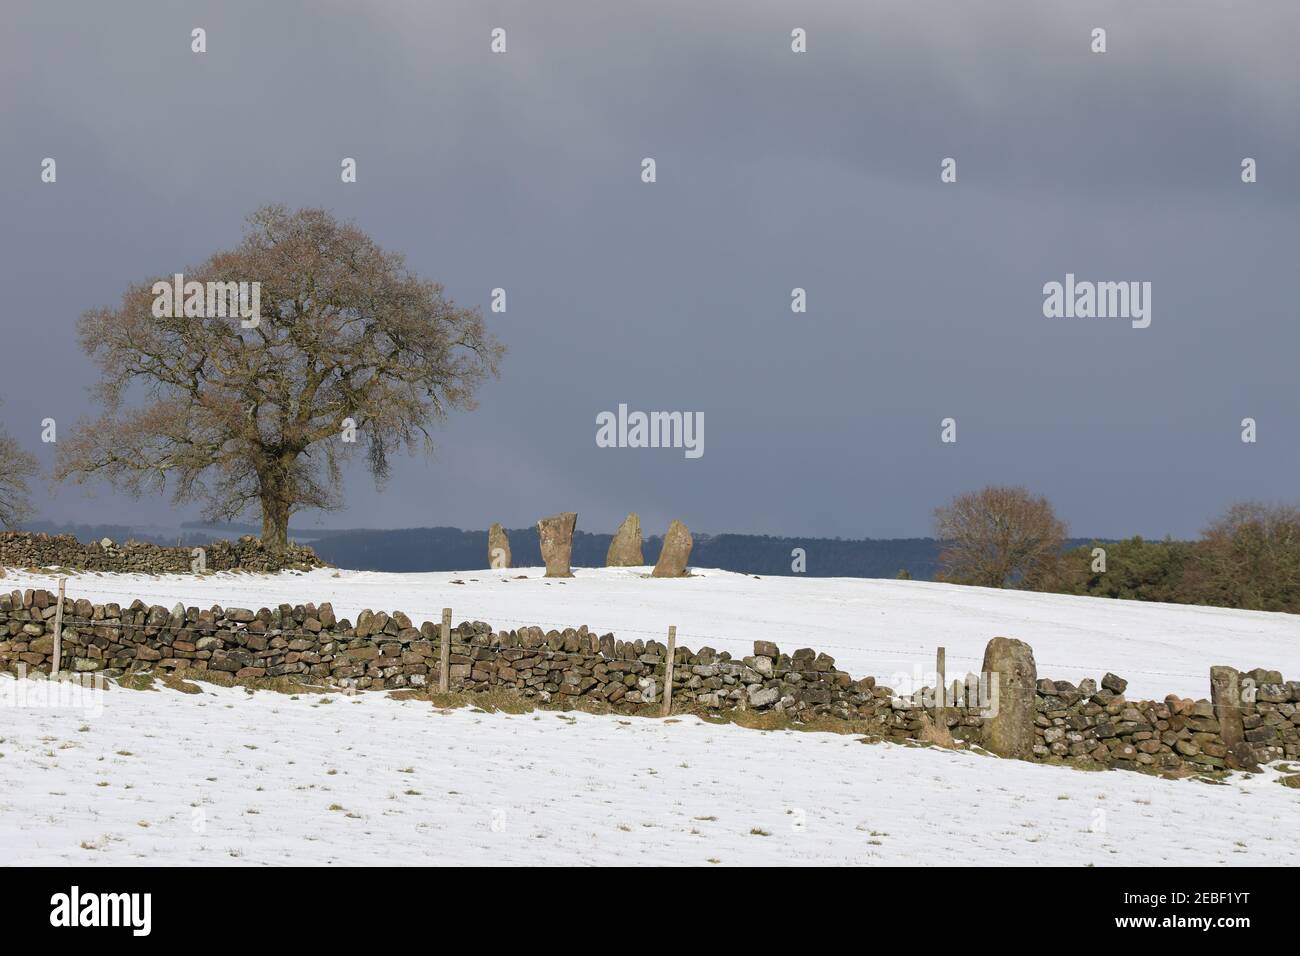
{"points": [[775, 170]]}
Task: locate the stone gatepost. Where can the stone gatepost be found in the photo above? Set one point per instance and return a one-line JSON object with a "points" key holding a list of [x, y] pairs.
{"points": [[1012, 676], [1225, 695]]}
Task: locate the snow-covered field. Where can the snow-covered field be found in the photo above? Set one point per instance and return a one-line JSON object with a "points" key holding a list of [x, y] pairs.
{"points": [[162, 777], [229, 776], [870, 626]]}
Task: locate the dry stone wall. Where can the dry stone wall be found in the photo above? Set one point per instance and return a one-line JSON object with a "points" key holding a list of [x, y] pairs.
{"points": [[1095, 723], [309, 643], [21, 549]]}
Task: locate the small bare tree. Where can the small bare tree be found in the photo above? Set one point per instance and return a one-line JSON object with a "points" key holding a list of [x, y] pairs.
{"points": [[16, 467], [259, 415], [997, 536]]}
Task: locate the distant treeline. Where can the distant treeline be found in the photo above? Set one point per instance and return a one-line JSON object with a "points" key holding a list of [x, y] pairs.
{"points": [[454, 549], [1249, 558], [451, 549], [120, 533], [1007, 537], [1238, 563]]}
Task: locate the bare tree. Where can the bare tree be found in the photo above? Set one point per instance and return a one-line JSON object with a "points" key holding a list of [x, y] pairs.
{"points": [[1248, 558], [997, 536], [258, 417], [16, 467]]}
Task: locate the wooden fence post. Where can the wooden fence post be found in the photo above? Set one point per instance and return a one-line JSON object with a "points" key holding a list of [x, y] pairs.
{"points": [[668, 672], [444, 676], [58, 631], [941, 678]]}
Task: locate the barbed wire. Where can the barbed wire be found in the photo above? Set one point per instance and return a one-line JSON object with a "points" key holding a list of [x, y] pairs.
{"points": [[894, 653], [213, 629]]}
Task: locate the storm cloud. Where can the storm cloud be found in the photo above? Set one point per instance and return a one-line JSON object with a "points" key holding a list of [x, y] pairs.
{"points": [[775, 170]]}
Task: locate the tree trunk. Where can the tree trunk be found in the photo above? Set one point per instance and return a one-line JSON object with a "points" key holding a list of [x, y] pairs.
{"points": [[275, 522]]}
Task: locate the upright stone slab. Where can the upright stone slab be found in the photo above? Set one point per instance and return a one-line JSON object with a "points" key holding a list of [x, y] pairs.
{"points": [[556, 536], [676, 552], [1225, 696], [498, 547], [625, 549], [1012, 676]]}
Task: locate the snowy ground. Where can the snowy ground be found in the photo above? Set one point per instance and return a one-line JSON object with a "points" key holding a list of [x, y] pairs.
{"points": [[229, 777], [878, 627]]}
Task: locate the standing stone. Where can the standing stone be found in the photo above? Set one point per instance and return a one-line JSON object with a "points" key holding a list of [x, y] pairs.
{"points": [[1225, 696], [1012, 675], [556, 536], [676, 552], [625, 549], [498, 547]]}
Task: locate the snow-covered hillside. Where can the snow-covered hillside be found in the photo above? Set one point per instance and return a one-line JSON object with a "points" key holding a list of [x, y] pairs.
{"points": [[229, 776], [226, 776], [878, 627]]}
